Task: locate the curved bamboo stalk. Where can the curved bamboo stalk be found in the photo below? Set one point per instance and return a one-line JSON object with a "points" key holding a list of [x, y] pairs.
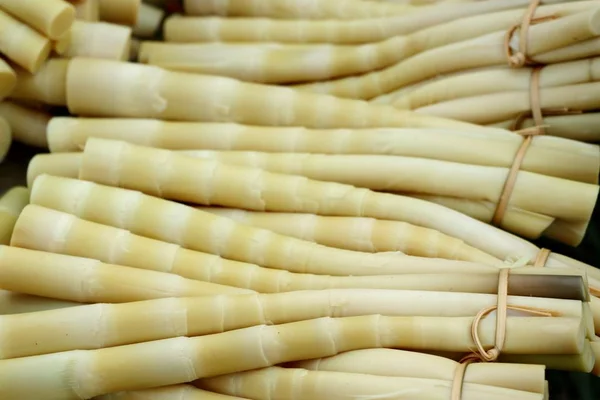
{"points": [[93, 326], [400, 363], [360, 234], [5, 138], [179, 392], [567, 159], [48, 85], [500, 80], [52, 18], [28, 125], [8, 79], [143, 365], [11, 204], [496, 107], [85, 280], [219, 99], [19, 303], [21, 44], [485, 50], [285, 193], [323, 9], [416, 175], [329, 385], [582, 127], [428, 26]]}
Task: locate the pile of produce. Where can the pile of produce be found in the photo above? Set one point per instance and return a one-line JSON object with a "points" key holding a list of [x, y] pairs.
{"points": [[217, 212]]}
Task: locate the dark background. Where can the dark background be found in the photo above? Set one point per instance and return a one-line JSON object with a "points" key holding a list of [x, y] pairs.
{"points": [[563, 385]]}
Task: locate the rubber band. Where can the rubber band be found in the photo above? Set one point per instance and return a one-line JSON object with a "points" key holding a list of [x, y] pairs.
{"points": [[520, 58], [459, 375], [501, 309], [542, 258]]}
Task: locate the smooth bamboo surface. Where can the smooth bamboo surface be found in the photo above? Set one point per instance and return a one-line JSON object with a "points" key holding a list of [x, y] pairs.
{"points": [[143, 91], [19, 303], [90, 281], [182, 359], [110, 162], [563, 199], [52, 18], [28, 125], [5, 138], [8, 79], [276, 382], [400, 363], [48, 85], [122, 12], [97, 326], [99, 40], [62, 44], [582, 127], [21, 44], [149, 21], [88, 10], [179, 392], [486, 50], [567, 159], [11, 204]]}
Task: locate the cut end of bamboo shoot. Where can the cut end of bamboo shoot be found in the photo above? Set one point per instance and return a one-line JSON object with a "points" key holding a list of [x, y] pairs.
{"points": [[99, 40], [61, 164], [8, 79], [5, 138], [122, 12]]}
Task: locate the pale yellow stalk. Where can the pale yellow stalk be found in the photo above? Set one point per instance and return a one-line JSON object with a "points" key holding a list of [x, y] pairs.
{"points": [[182, 359], [52, 18], [208, 182], [300, 384], [179, 392], [5, 138], [400, 363], [63, 43], [8, 79], [99, 40], [485, 50], [88, 281], [19, 303], [563, 199], [582, 127], [360, 234], [48, 85], [88, 10], [323, 9], [22, 44], [145, 91], [93, 326], [11, 204], [28, 125], [567, 159], [149, 21], [122, 12]]}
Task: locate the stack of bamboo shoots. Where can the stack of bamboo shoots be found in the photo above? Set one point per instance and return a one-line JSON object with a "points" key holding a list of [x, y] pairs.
{"points": [[431, 58]]}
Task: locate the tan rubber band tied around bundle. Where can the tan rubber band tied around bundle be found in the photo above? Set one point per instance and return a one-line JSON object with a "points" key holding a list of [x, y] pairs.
{"points": [[520, 58], [459, 375], [542, 258], [501, 309]]}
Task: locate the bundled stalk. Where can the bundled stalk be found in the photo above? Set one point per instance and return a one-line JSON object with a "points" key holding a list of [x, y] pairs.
{"points": [[86, 280], [484, 51], [5, 138], [99, 40], [427, 177], [145, 91], [19, 303], [22, 44], [92, 326], [11, 205], [450, 20], [8, 79], [182, 359], [122, 12], [28, 125], [550, 156], [324, 9], [582, 127], [47, 86], [180, 392], [360, 234], [399, 363], [275, 382], [126, 165], [52, 18]]}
